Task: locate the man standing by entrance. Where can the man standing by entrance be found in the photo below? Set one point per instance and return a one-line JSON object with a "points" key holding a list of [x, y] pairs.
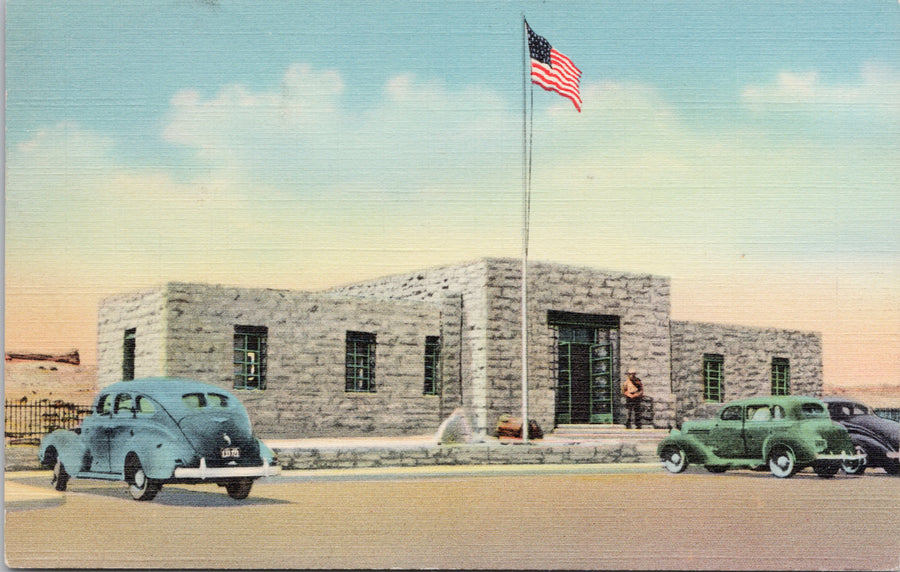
{"points": [[633, 390]]}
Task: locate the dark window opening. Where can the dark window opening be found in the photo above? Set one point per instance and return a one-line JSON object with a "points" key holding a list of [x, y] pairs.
{"points": [[713, 377], [128, 349], [250, 344], [360, 363], [781, 376], [432, 365]]}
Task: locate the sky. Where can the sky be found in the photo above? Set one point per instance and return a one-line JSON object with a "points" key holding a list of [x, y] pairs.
{"points": [[750, 151]]}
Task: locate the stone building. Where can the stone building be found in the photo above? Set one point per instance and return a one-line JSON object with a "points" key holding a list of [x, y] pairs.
{"points": [[396, 355]]}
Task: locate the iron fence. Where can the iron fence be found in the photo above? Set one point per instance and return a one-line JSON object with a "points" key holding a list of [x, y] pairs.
{"points": [[31, 421]]}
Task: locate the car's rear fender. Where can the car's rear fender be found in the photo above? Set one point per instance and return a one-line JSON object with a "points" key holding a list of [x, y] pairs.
{"points": [[158, 462], [266, 453], [803, 453], [157, 449], [65, 445], [875, 449], [695, 450], [873, 441]]}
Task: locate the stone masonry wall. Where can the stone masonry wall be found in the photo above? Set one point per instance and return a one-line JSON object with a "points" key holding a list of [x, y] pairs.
{"points": [[143, 311], [491, 291], [465, 285], [641, 301], [748, 354], [305, 394], [437, 456], [187, 330]]}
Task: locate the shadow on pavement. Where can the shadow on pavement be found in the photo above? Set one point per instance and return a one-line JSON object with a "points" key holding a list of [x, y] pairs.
{"points": [[766, 474], [170, 495]]}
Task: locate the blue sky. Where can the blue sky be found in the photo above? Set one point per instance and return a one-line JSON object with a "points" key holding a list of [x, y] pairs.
{"points": [[749, 150]]}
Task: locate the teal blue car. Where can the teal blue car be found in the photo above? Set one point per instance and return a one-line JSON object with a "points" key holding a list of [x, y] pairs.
{"points": [[153, 431], [787, 434]]}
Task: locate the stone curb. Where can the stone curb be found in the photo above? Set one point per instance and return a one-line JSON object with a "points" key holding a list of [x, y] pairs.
{"points": [[308, 457], [306, 454]]}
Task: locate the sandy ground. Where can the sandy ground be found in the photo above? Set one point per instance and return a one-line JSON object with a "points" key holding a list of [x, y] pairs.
{"points": [[37, 380], [887, 396]]}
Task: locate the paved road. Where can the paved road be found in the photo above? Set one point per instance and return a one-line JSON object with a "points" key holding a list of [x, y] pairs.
{"points": [[588, 517]]}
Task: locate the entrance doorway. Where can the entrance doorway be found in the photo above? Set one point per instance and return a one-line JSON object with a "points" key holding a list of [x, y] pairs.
{"points": [[588, 362]]}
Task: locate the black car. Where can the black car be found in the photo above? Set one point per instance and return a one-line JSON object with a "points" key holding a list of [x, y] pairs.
{"points": [[877, 437]]}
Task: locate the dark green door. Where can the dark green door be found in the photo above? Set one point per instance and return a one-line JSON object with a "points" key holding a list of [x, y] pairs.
{"points": [[601, 383], [585, 377], [564, 384]]}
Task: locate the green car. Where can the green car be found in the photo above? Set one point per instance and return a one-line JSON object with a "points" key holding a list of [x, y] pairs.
{"points": [[787, 433]]}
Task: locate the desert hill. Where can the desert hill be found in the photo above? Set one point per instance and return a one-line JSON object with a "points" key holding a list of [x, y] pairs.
{"points": [[31, 381]]}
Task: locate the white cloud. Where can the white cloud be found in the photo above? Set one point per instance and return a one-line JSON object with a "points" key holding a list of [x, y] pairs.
{"points": [[290, 188], [877, 92], [430, 162], [299, 136]]}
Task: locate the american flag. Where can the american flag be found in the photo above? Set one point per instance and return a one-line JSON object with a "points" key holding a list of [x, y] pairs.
{"points": [[552, 70]]}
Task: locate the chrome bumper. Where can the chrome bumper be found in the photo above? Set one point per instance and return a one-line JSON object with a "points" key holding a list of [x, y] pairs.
{"points": [[839, 457], [894, 455], [203, 472]]}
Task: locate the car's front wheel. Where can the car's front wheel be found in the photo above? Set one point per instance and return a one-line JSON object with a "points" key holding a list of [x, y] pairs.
{"points": [[856, 467], [141, 487], [782, 462], [674, 459], [239, 490], [60, 479]]}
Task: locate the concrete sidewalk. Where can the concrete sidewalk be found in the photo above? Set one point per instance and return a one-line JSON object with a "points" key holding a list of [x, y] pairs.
{"points": [[587, 436]]}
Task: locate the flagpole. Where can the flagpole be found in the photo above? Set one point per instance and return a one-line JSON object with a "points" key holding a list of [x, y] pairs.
{"points": [[553, 71], [525, 215]]}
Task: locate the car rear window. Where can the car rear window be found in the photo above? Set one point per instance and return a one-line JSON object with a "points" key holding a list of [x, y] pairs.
{"points": [[216, 400], [732, 413], [104, 404], [123, 403], [205, 400], [813, 410], [144, 406], [860, 409]]}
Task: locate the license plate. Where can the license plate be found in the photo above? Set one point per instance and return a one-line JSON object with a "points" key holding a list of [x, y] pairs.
{"points": [[231, 453]]}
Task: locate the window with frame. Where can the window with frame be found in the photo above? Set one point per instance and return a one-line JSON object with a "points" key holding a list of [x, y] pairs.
{"points": [[124, 404], [713, 377], [360, 363], [432, 365], [250, 348], [129, 344], [143, 406], [105, 404], [732, 413], [781, 376]]}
